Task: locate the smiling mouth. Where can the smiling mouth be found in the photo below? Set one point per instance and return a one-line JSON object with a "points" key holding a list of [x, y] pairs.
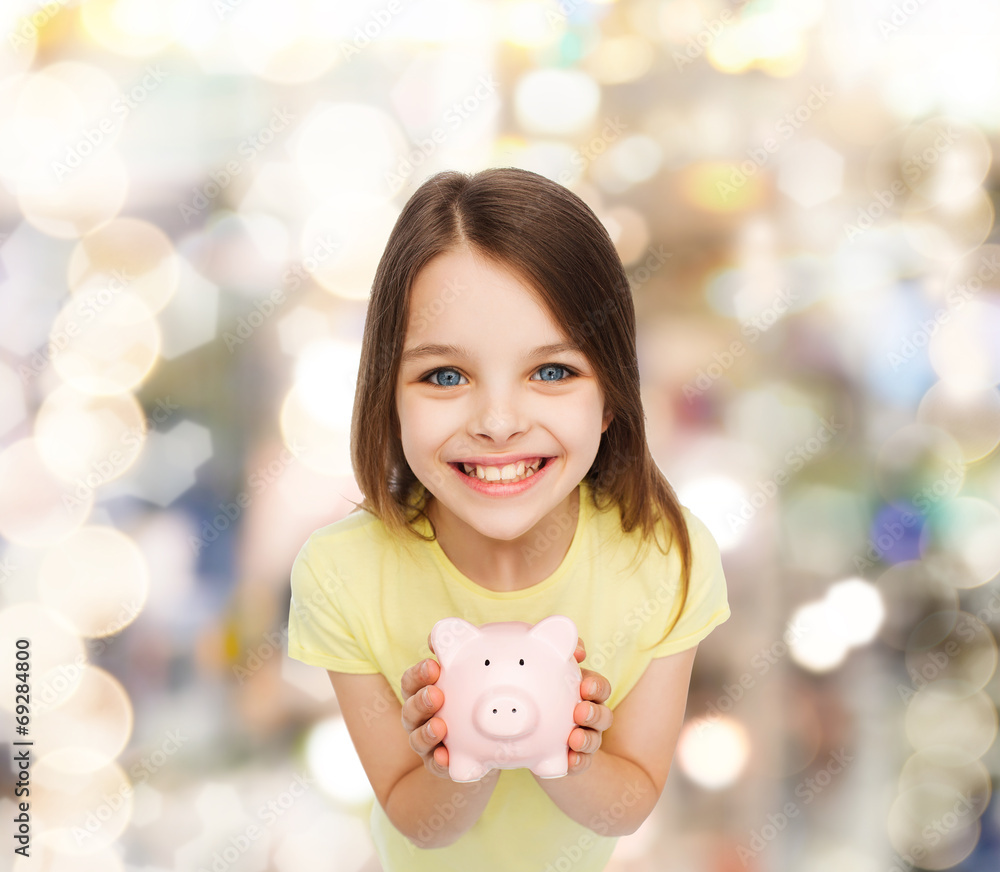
{"points": [[515, 472]]}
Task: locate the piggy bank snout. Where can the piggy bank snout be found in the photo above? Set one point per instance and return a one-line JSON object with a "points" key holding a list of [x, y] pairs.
{"points": [[505, 713]]}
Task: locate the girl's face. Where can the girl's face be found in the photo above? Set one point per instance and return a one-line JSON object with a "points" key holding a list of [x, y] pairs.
{"points": [[498, 394]]}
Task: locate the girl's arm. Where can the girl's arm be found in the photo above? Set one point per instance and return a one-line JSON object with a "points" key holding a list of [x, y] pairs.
{"points": [[629, 763], [412, 796]]}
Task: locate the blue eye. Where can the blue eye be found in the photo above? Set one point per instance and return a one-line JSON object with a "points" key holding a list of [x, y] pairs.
{"points": [[452, 380]]}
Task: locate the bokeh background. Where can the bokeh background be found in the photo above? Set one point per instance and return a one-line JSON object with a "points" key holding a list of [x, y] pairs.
{"points": [[193, 198]]}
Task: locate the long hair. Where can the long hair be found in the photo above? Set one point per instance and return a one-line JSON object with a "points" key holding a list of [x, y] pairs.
{"points": [[557, 245]]}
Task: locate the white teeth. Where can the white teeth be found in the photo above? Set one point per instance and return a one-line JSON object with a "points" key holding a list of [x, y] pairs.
{"points": [[512, 472]]}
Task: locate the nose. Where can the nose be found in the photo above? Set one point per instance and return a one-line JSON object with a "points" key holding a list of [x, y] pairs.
{"points": [[500, 417], [505, 714]]}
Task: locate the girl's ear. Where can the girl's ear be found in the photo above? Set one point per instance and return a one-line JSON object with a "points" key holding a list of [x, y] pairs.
{"points": [[449, 635]]}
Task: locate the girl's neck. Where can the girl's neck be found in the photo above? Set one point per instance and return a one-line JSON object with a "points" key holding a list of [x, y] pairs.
{"points": [[506, 565]]}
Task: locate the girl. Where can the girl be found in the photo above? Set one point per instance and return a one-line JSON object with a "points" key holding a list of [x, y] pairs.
{"points": [[499, 443]]}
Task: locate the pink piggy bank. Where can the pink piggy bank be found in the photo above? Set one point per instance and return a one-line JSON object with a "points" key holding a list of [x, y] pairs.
{"points": [[509, 693]]}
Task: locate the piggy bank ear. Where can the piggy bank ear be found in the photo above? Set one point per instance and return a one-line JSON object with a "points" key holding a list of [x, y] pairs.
{"points": [[559, 632], [449, 635]]}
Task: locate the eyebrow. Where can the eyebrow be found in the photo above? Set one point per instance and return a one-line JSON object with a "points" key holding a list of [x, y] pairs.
{"points": [[433, 349]]}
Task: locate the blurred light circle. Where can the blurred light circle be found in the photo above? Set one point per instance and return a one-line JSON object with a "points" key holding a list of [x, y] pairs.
{"points": [[104, 340], [969, 276], [134, 28], [13, 409], [722, 187], [35, 111], [55, 648], [919, 466], [351, 152], [528, 25], [286, 43], [46, 859], [954, 646], [636, 158], [629, 232], [817, 641], [89, 439], [325, 447], [971, 780], [68, 208], [21, 35], [950, 722], [96, 802], [945, 159], [96, 92], [134, 250], [964, 351], [713, 753], [334, 762], [932, 823], [968, 530], [37, 507], [91, 727], [912, 591], [714, 499], [98, 578], [858, 606], [946, 231], [341, 248], [619, 59], [971, 416], [326, 375], [556, 101]]}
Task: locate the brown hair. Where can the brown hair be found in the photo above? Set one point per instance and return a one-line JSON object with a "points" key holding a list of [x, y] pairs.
{"points": [[550, 238]]}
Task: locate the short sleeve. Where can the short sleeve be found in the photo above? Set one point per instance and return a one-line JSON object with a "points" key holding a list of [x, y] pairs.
{"points": [[707, 603], [319, 617]]}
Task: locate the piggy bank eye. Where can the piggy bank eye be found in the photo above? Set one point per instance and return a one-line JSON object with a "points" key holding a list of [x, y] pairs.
{"points": [[521, 661], [487, 662]]}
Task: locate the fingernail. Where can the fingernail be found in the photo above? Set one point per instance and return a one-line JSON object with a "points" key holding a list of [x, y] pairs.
{"points": [[430, 731], [425, 695], [590, 713], [424, 670]]}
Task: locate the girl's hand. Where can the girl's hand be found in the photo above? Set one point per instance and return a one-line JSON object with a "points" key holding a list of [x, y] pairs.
{"points": [[420, 700], [593, 717]]}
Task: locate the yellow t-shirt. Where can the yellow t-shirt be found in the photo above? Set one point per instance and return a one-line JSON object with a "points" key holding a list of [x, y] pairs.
{"points": [[361, 604]]}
